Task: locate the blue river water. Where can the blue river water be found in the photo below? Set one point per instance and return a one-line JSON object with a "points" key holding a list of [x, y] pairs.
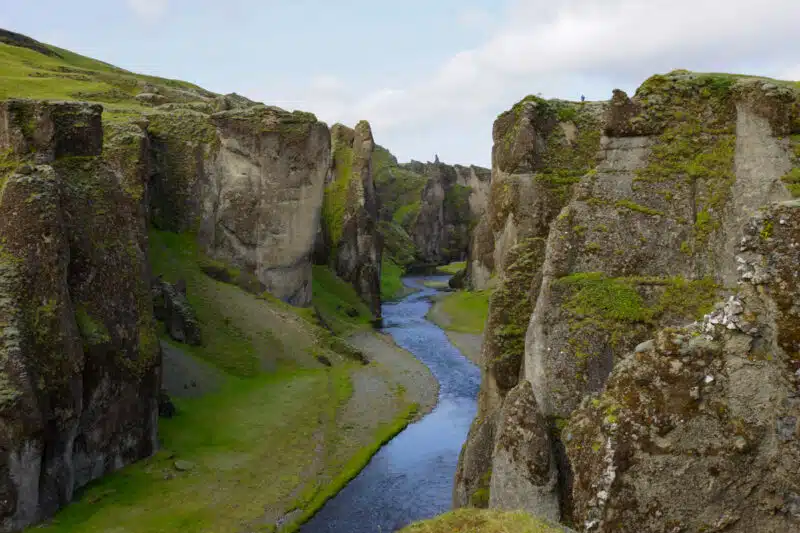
{"points": [[411, 477]]}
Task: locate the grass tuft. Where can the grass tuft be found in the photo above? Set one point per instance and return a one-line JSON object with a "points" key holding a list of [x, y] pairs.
{"points": [[483, 521]]}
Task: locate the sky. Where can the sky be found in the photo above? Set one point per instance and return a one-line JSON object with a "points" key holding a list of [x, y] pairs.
{"points": [[429, 75]]}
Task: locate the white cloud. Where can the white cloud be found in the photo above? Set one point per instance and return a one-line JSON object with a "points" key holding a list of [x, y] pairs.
{"points": [[148, 10], [569, 47]]}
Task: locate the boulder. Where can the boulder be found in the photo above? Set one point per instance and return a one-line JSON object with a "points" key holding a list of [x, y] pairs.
{"points": [[171, 306]]}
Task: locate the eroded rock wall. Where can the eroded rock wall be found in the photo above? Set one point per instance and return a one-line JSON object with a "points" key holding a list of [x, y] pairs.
{"points": [[646, 239], [453, 200], [79, 372], [250, 182], [349, 239], [697, 430], [541, 149]]}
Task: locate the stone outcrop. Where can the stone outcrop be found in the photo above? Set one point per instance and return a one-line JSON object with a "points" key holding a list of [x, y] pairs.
{"points": [[264, 199], [427, 211], [171, 306], [250, 182], [348, 240], [79, 372], [453, 200], [697, 430], [541, 148], [647, 238]]}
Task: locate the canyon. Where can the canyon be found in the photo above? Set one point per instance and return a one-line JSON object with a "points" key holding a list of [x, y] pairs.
{"points": [[171, 257]]}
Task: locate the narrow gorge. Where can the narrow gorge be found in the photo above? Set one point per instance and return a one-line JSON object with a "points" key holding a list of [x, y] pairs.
{"points": [[220, 315]]}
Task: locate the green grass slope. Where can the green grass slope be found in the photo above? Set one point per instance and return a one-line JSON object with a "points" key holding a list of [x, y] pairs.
{"points": [[30, 69], [466, 310], [274, 441], [483, 521]]}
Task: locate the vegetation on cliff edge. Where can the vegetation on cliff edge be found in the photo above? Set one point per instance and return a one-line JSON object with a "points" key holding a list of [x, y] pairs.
{"points": [[483, 521]]}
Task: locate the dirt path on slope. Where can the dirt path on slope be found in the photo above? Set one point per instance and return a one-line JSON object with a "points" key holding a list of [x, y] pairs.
{"points": [[397, 367]]}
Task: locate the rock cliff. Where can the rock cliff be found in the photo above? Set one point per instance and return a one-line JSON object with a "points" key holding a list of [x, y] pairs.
{"points": [[428, 210], [453, 200], [697, 430], [647, 238], [250, 182], [80, 356], [81, 359], [348, 240], [541, 148]]}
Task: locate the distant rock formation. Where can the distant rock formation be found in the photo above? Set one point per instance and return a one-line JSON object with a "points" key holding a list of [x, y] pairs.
{"points": [[348, 240], [428, 210], [453, 200]]}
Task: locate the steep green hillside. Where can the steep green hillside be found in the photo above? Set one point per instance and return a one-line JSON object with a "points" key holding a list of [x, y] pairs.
{"points": [[274, 438], [30, 69]]}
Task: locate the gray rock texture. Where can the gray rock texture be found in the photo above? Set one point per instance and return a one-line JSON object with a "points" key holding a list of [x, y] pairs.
{"points": [[524, 474], [250, 182], [646, 237], [80, 365], [698, 431]]}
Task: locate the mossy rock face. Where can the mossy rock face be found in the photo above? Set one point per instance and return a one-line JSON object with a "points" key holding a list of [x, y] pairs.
{"points": [[542, 148], [436, 204], [183, 146], [703, 402], [660, 215], [253, 190], [453, 200], [349, 233], [80, 350], [474, 471], [45, 130], [509, 313]]}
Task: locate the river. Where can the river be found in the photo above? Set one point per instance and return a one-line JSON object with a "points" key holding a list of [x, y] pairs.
{"points": [[411, 477]]}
